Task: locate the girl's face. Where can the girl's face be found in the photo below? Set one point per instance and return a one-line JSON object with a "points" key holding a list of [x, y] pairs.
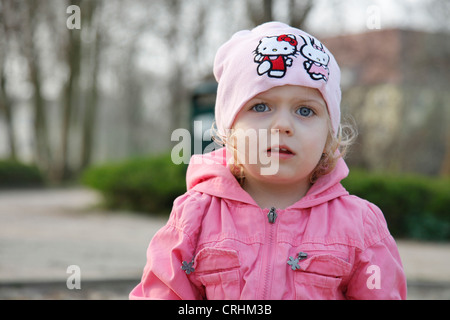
{"points": [[299, 115]]}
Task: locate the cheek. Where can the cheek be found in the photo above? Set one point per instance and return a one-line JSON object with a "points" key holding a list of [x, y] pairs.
{"points": [[315, 144], [247, 134], [323, 140]]}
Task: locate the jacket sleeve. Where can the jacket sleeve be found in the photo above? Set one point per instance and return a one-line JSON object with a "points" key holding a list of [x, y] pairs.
{"points": [[378, 272], [163, 278]]}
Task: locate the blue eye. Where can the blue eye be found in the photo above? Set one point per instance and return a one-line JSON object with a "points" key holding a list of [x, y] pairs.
{"points": [[260, 107], [305, 112]]}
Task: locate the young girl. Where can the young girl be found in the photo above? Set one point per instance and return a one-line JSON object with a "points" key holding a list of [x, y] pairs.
{"points": [[291, 232]]}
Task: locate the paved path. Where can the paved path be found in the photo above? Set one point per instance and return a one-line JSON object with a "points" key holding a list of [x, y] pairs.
{"points": [[43, 232]]}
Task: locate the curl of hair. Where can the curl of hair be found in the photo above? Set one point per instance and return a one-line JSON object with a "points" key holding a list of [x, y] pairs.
{"points": [[228, 141]]}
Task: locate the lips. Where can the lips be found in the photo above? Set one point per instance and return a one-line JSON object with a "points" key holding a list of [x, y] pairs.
{"points": [[281, 150]]}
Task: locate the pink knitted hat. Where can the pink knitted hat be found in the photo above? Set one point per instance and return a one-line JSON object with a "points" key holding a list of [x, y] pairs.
{"points": [[272, 54]]}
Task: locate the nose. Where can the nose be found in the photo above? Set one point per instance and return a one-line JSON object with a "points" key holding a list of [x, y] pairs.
{"points": [[274, 50], [282, 123]]}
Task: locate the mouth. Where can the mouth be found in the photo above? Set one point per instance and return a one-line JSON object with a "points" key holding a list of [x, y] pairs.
{"points": [[282, 150]]}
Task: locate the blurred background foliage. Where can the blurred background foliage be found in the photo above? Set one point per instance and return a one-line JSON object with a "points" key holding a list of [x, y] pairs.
{"points": [[14, 174], [147, 185], [99, 104], [414, 206]]}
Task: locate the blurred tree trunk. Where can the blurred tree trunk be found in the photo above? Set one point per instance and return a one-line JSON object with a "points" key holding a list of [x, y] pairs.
{"points": [[260, 11], [6, 104], [70, 98], [6, 107], [298, 12], [180, 80], [132, 99], [80, 107], [174, 35], [91, 105], [90, 113], [28, 26]]}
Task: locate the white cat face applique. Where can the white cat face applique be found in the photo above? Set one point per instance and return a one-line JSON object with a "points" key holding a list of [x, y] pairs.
{"points": [[273, 55], [317, 59]]}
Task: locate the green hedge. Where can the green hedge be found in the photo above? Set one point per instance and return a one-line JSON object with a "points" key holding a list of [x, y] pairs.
{"points": [[414, 206], [14, 174], [146, 185]]}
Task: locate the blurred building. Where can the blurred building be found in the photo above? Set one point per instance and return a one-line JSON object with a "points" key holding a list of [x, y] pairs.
{"points": [[396, 87]]}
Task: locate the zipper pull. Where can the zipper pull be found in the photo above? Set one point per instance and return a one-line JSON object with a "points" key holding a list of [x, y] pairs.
{"points": [[272, 215]]}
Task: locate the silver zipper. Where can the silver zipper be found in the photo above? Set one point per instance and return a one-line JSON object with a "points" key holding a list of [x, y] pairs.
{"points": [[272, 215]]}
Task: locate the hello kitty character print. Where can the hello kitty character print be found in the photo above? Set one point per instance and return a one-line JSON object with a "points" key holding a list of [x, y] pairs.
{"points": [[273, 55], [317, 59]]}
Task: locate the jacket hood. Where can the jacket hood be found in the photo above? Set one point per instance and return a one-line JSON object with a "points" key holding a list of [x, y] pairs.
{"points": [[209, 174]]}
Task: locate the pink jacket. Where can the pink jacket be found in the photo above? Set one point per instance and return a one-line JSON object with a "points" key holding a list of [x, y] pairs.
{"points": [[328, 245]]}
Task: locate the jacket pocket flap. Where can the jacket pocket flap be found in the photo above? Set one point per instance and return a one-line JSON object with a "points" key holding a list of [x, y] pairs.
{"points": [[214, 259], [326, 264]]}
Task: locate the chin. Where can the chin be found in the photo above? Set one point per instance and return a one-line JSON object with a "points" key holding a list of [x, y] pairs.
{"points": [[285, 177]]}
